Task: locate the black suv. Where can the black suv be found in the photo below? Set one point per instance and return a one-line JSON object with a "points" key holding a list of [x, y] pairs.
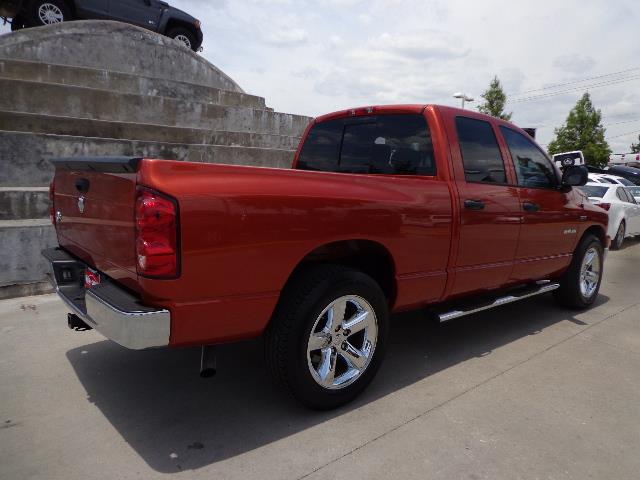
{"points": [[151, 14]]}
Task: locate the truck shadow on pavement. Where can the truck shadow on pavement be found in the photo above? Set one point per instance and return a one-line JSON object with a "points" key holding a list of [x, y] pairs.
{"points": [[177, 421]]}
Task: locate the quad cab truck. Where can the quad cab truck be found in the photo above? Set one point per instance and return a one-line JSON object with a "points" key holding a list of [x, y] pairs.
{"points": [[154, 15], [386, 209]]}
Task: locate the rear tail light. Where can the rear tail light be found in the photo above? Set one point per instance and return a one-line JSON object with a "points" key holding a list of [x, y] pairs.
{"points": [[52, 210], [604, 206], [156, 234]]}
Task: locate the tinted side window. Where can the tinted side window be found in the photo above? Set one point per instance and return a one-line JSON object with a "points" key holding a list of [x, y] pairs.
{"points": [[403, 146], [391, 144], [321, 148], [357, 146], [533, 168], [623, 195], [480, 152]]}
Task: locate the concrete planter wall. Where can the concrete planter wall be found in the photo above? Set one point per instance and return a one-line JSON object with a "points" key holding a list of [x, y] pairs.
{"points": [[107, 88]]}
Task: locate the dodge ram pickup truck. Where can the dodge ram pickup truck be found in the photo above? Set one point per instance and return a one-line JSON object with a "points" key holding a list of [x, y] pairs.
{"points": [[386, 209]]}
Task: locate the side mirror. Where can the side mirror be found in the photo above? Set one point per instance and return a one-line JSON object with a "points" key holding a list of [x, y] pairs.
{"points": [[575, 176]]}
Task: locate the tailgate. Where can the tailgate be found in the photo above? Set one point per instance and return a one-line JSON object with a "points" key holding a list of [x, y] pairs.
{"points": [[94, 201]]}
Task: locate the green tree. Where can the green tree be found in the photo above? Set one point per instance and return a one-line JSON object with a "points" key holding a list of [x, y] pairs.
{"points": [[494, 100], [635, 147], [583, 131]]}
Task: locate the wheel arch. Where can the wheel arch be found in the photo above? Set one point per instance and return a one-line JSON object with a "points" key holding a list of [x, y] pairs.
{"points": [[176, 22], [367, 256], [598, 231]]}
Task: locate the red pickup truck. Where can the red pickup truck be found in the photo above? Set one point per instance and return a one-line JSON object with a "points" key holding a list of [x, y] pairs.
{"points": [[385, 209]]}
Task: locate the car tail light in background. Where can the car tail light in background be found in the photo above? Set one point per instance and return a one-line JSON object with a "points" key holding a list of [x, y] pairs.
{"points": [[52, 211], [156, 234], [604, 206], [91, 278]]}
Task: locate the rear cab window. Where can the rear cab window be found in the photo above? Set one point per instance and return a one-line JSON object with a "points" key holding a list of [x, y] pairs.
{"points": [[394, 144]]}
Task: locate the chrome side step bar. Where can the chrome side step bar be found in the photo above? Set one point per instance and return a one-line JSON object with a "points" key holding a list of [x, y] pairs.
{"points": [[538, 289]]}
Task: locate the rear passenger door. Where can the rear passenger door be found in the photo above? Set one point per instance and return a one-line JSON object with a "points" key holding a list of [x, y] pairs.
{"points": [[489, 207], [550, 219], [92, 9]]}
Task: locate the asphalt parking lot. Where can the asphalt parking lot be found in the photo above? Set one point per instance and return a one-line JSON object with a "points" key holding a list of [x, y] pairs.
{"points": [[526, 391]]}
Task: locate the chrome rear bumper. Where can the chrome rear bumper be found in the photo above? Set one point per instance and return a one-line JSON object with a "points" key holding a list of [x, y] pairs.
{"points": [[111, 310]]}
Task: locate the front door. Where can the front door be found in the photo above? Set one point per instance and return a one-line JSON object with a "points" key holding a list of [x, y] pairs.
{"points": [[145, 13], [489, 208], [550, 217]]}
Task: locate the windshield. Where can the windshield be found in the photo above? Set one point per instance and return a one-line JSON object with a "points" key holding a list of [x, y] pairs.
{"points": [[594, 190]]}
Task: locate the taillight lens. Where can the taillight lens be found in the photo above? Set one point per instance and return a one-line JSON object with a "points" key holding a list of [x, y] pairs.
{"points": [[604, 206], [52, 210], [156, 234]]}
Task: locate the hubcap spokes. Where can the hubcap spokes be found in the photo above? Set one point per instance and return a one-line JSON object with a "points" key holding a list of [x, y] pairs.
{"points": [[183, 39], [342, 342], [589, 273], [50, 13]]}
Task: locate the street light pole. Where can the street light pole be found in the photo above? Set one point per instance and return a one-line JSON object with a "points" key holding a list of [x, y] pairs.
{"points": [[463, 97]]}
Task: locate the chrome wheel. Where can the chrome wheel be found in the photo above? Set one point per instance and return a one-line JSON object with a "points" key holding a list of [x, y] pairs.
{"points": [[50, 14], [183, 39], [590, 272], [342, 342]]}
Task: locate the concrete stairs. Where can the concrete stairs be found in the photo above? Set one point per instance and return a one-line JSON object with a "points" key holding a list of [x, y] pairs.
{"points": [[85, 88]]}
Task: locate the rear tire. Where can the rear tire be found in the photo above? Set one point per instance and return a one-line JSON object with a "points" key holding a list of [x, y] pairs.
{"points": [[580, 284], [184, 36], [619, 238], [48, 12], [315, 346]]}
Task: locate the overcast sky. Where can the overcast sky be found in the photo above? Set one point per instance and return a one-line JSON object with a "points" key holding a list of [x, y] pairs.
{"points": [[313, 57]]}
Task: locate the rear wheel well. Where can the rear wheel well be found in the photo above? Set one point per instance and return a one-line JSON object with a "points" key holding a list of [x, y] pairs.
{"points": [[366, 256]]}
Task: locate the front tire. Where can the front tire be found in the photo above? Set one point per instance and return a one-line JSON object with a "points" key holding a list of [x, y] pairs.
{"points": [[580, 284], [328, 335], [48, 12], [619, 238], [184, 36]]}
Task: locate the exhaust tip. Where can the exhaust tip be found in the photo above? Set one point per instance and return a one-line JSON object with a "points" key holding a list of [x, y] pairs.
{"points": [[74, 322], [207, 372], [208, 361]]}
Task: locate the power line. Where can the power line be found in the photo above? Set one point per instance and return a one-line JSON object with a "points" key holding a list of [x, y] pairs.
{"points": [[623, 134], [550, 87], [576, 89], [620, 123]]}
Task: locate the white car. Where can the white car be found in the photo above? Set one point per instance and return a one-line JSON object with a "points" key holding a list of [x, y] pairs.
{"points": [[624, 211], [612, 179]]}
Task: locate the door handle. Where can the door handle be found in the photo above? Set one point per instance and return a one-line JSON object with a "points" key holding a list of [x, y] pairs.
{"points": [[473, 204], [530, 207], [82, 185]]}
